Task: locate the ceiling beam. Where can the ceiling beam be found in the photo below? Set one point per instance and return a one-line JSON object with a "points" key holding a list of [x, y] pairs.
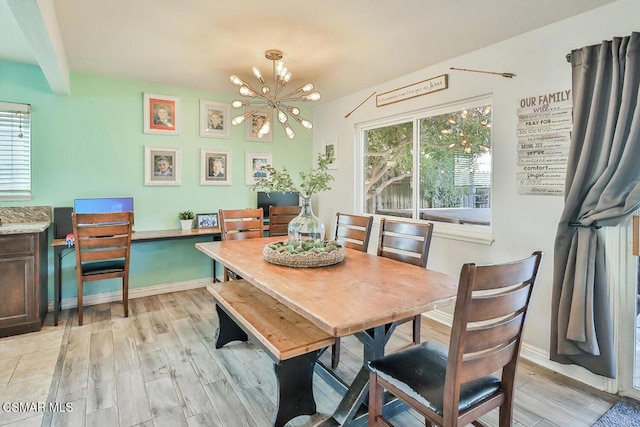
{"points": [[39, 24]]}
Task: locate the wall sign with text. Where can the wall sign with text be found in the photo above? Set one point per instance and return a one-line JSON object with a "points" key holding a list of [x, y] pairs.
{"points": [[544, 136], [424, 87]]}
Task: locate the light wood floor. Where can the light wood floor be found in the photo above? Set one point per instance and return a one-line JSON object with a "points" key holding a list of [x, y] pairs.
{"points": [[159, 367]]}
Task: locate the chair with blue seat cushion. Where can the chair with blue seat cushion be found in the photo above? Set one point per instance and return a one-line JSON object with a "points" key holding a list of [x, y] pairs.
{"points": [[102, 244], [455, 386]]}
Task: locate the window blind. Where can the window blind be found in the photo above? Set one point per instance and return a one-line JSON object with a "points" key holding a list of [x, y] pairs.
{"points": [[15, 151]]}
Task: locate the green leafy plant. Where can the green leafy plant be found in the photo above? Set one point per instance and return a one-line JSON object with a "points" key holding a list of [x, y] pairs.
{"points": [[280, 181], [186, 215]]}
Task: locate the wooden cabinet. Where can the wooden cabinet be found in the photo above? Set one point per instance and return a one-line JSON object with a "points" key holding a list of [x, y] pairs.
{"points": [[23, 282]]}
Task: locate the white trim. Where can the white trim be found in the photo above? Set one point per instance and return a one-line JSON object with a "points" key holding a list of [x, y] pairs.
{"points": [[39, 24], [461, 232], [133, 293]]}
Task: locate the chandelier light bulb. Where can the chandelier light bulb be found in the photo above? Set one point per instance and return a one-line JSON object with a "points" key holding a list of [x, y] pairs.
{"points": [[237, 104], [306, 124], [265, 90], [294, 110], [282, 117], [264, 129], [245, 91], [238, 120], [256, 73], [307, 88], [290, 133], [236, 80], [315, 96]]}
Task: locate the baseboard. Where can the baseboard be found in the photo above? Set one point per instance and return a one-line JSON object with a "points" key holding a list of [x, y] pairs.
{"points": [[541, 358], [133, 293]]}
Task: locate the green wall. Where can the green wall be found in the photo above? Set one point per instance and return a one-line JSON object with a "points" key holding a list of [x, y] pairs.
{"points": [[91, 144]]}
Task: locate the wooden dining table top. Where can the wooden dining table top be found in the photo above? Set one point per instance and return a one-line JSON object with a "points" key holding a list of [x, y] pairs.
{"points": [[359, 293]]}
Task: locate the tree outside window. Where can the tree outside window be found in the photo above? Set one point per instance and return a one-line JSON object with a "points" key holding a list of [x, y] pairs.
{"points": [[452, 168]]}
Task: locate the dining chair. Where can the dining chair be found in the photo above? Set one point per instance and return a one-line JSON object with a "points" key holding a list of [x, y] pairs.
{"points": [[406, 242], [102, 245], [279, 217], [240, 224], [456, 386], [352, 231]]}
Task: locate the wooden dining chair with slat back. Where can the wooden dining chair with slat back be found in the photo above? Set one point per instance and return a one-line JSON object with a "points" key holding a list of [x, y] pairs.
{"points": [[406, 242], [279, 218], [353, 232], [240, 224], [102, 246], [456, 386]]}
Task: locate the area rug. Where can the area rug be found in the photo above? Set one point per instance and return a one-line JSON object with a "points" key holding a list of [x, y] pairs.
{"points": [[624, 413]]}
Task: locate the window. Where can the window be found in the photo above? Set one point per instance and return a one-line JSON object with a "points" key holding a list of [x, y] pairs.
{"points": [[15, 151], [434, 165]]}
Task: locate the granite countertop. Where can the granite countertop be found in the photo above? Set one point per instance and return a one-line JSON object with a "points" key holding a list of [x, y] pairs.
{"points": [[24, 227], [24, 219]]}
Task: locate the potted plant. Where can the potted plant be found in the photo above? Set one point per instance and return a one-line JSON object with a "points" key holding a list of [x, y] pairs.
{"points": [[306, 226], [186, 218]]}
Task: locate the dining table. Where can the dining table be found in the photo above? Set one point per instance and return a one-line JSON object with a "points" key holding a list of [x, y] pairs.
{"points": [[364, 295]]}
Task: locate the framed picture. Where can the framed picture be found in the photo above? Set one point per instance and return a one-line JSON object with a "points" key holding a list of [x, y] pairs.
{"points": [[255, 166], [330, 149], [206, 220], [161, 165], [215, 121], [255, 122], [161, 114], [215, 167]]}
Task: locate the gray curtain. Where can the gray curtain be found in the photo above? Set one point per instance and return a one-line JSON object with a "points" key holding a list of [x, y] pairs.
{"points": [[602, 187]]}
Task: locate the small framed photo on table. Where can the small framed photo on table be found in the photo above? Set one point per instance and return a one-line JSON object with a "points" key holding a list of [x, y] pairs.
{"points": [[215, 119], [207, 220], [161, 165], [255, 166], [161, 114], [215, 167]]}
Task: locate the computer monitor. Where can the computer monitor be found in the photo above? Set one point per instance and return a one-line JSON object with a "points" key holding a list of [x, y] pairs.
{"points": [[276, 199], [103, 205]]}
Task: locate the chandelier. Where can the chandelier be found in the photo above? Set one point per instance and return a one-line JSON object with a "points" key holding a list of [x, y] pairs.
{"points": [[272, 99]]}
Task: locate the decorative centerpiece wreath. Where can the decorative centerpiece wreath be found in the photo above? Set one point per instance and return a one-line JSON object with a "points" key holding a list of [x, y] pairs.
{"points": [[304, 254], [299, 250]]}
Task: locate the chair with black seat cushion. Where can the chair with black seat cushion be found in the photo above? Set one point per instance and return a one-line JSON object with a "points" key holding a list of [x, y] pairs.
{"points": [[102, 243], [240, 224], [279, 218], [406, 242], [456, 386], [353, 232]]}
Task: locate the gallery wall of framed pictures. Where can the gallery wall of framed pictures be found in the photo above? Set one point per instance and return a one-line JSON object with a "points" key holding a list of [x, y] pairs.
{"points": [[163, 116]]}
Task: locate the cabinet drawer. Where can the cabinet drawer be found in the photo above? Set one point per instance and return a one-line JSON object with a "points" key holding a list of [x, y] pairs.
{"points": [[17, 244]]}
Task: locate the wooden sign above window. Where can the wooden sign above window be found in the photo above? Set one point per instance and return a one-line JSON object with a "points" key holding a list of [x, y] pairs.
{"points": [[424, 87]]}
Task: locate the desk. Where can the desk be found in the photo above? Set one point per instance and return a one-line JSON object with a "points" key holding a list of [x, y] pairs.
{"points": [[59, 245], [362, 292]]}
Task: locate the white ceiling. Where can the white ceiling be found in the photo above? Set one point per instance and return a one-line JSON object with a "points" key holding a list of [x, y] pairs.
{"points": [[342, 46]]}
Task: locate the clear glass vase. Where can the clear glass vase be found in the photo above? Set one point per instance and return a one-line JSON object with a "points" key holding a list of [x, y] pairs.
{"points": [[306, 226]]}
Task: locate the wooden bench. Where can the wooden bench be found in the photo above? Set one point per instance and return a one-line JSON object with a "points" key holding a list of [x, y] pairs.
{"points": [[292, 342]]}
